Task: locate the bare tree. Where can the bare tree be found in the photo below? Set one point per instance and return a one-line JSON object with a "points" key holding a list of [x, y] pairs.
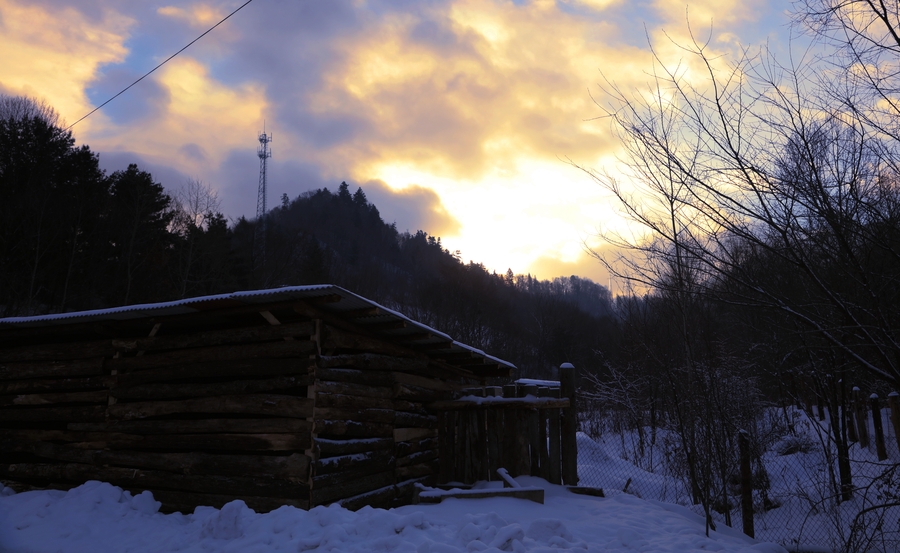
{"points": [[18, 108]]}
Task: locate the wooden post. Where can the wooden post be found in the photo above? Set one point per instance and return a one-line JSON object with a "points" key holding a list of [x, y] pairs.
{"points": [[533, 434], [543, 391], [509, 448], [879, 427], [447, 429], [482, 464], [569, 425], [862, 426], [894, 404], [555, 456], [523, 438], [746, 483]]}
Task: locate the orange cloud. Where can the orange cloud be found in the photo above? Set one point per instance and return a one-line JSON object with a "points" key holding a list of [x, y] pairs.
{"points": [[54, 54]]}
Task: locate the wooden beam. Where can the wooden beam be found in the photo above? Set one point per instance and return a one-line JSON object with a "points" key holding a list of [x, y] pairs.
{"points": [[198, 426], [214, 353], [248, 404], [195, 390]]}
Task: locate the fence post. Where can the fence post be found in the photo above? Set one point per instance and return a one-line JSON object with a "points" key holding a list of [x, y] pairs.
{"points": [[879, 427], [555, 441], [569, 426], [746, 483], [894, 404]]}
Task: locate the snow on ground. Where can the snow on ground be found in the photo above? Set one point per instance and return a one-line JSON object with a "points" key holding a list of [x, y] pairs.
{"points": [[100, 517]]}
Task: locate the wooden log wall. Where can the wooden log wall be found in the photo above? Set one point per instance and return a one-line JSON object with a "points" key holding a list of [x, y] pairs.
{"points": [[522, 434], [373, 436], [198, 418]]}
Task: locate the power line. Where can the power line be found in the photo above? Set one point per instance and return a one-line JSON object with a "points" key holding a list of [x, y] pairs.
{"points": [[145, 75]]}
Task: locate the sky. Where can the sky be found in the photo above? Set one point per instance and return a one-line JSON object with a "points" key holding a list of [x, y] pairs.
{"points": [[463, 118]]}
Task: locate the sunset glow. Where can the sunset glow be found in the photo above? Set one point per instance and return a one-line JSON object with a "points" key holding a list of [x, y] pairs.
{"points": [[477, 109]]}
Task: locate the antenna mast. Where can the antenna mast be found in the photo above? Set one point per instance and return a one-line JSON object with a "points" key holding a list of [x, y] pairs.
{"points": [[264, 153]]}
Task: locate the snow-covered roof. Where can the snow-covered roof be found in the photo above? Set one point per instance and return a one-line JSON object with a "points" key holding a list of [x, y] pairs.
{"points": [[340, 302]]}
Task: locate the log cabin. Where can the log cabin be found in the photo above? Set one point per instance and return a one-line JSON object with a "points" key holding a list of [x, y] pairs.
{"points": [[302, 396]]}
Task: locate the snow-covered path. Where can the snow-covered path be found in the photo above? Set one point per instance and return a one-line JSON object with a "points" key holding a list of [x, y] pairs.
{"points": [[100, 517]]}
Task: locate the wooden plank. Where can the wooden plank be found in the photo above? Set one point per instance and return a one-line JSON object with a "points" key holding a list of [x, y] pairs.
{"points": [[342, 401], [341, 490], [198, 426], [409, 434], [270, 350], [294, 466], [146, 479], [337, 340], [92, 413], [57, 385], [522, 453], [371, 361], [494, 424], [460, 454], [554, 455], [379, 460], [204, 442], [499, 403], [380, 498], [247, 334], [194, 390], [98, 396], [416, 471], [446, 445], [335, 448], [334, 479], [355, 376], [531, 494], [250, 404], [52, 369], [417, 393], [533, 437], [413, 420], [411, 407], [414, 446], [349, 389], [435, 384], [480, 454], [234, 368], [186, 502], [417, 458], [361, 415], [354, 429], [57, 352], [543, 455]]}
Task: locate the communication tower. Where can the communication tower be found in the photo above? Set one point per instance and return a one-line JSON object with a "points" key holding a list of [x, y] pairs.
{"points": [[264, 153]]}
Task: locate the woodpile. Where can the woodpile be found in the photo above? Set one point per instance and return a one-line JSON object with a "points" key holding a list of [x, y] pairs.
{"points": [[281, 404]]}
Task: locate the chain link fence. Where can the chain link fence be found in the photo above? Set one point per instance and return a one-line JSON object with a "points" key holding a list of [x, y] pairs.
{"points": [[803, 496]]}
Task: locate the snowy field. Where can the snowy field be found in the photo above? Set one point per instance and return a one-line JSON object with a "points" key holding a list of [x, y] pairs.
{"points": [[798, 506], [99, 517]]}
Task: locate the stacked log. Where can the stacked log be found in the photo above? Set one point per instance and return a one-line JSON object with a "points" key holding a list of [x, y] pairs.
{"points": [[373, 435], [198, 418]]}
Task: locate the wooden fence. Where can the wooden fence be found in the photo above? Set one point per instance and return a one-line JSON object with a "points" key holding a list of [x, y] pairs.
{"points": [[525, 428]]}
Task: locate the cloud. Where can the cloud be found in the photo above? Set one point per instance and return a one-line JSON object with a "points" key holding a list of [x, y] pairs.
{"points": [[547, 267], [455, 114], [412, 208], [52, 52]]}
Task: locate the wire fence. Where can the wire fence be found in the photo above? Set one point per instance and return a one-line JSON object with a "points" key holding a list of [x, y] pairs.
{"points": [[807, 494]]}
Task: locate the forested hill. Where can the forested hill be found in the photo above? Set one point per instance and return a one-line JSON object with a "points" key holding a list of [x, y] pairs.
{"points": [[75, 238]]}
